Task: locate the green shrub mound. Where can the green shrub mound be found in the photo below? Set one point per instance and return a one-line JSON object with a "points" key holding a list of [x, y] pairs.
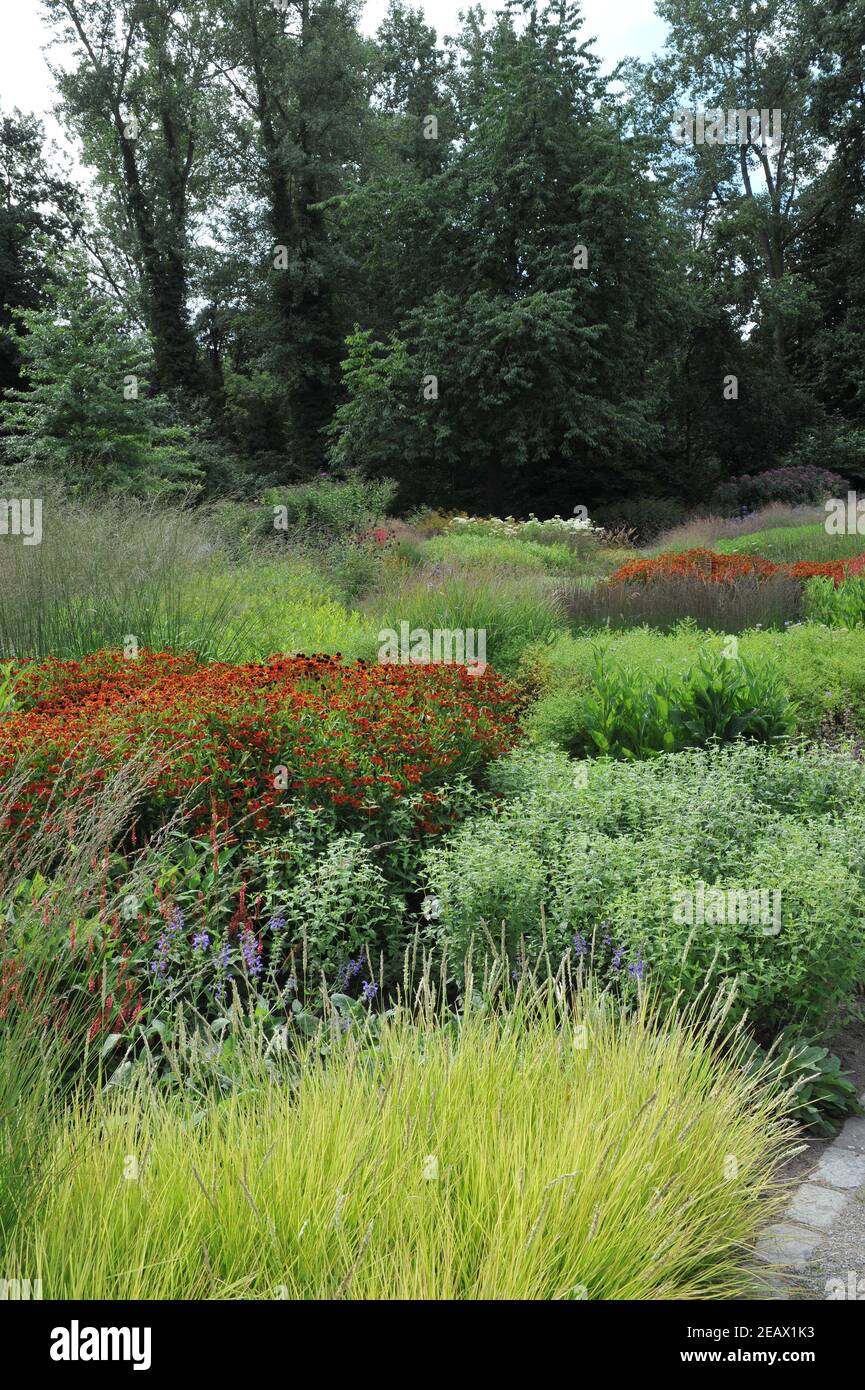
{"points": [[597, 859]]}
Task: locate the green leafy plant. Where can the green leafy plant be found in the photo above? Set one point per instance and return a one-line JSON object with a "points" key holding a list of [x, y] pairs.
{"points": [[841, 605], [614, 848], [629, 716], [825, 1095], [328, 508]]}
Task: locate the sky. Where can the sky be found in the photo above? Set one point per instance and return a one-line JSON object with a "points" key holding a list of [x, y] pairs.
{"points": [[623, 28]]}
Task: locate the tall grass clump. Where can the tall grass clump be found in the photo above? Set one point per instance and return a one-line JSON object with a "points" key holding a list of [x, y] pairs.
{"points": [[285, 604], [513, 611], [549, 1150], [707, 530], [326, 509], [788, 544], [47, 884], [746, 602], [109, 570]]}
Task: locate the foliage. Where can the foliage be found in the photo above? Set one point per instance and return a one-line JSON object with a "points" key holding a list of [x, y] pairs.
{"points": [[723, 569], [794, 543], [821, 670], [629, 716], [824, 1094], [553, 529], [84, 416], [512, 609], [646, 516], [841, 605], [329, 509], [341, 907], [741, 602], [594, 864], [238, 745], [117, 572], [531, 349], [793, 485], [262, 186], [37, 210]]}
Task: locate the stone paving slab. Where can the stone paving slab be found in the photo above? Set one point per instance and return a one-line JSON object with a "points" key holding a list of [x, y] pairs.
{"points": [[841, 1168], [788, 1244], [852, 1136], [824, 1226], [816, 1206]]}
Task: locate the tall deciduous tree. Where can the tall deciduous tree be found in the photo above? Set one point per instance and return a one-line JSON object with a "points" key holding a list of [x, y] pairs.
{"points": [[143, 99], [38, 210], [298, 74], [544, 288], [758, 196]]}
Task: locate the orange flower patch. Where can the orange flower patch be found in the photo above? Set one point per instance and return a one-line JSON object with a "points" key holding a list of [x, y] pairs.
{"points": [[240, 743], [725, 569]]}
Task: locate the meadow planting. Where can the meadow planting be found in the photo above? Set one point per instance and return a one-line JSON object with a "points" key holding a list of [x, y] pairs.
{"points": [[432, 669], [395, 973]]}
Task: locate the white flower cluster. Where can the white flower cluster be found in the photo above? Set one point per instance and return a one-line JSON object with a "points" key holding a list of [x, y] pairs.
{"points": [[549, 529]]}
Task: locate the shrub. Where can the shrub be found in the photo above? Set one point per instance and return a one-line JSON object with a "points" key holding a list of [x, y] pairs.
{"points": [[475, 549], [597, 866], [555, 528], [340, 907], [794, 485], [591, 1172], [327, 509], [646, 516]]}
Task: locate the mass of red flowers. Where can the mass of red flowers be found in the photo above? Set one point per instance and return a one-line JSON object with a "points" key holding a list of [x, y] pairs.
{"points": [[724, 569], [235, 745]]}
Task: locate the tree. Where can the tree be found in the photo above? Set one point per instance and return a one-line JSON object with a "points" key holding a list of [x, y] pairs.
{"points": [[417, 119], [830, 348], [756, 191], [38, 209], [84, 415], [144, 101], [297, 74], [544, 291]]}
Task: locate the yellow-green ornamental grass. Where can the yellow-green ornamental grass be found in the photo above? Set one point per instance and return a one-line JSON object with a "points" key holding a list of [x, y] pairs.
{"points": [[506, 1158]]}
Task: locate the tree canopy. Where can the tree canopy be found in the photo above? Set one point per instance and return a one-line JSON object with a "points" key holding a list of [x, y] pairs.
{"points": [[474, 263]]}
